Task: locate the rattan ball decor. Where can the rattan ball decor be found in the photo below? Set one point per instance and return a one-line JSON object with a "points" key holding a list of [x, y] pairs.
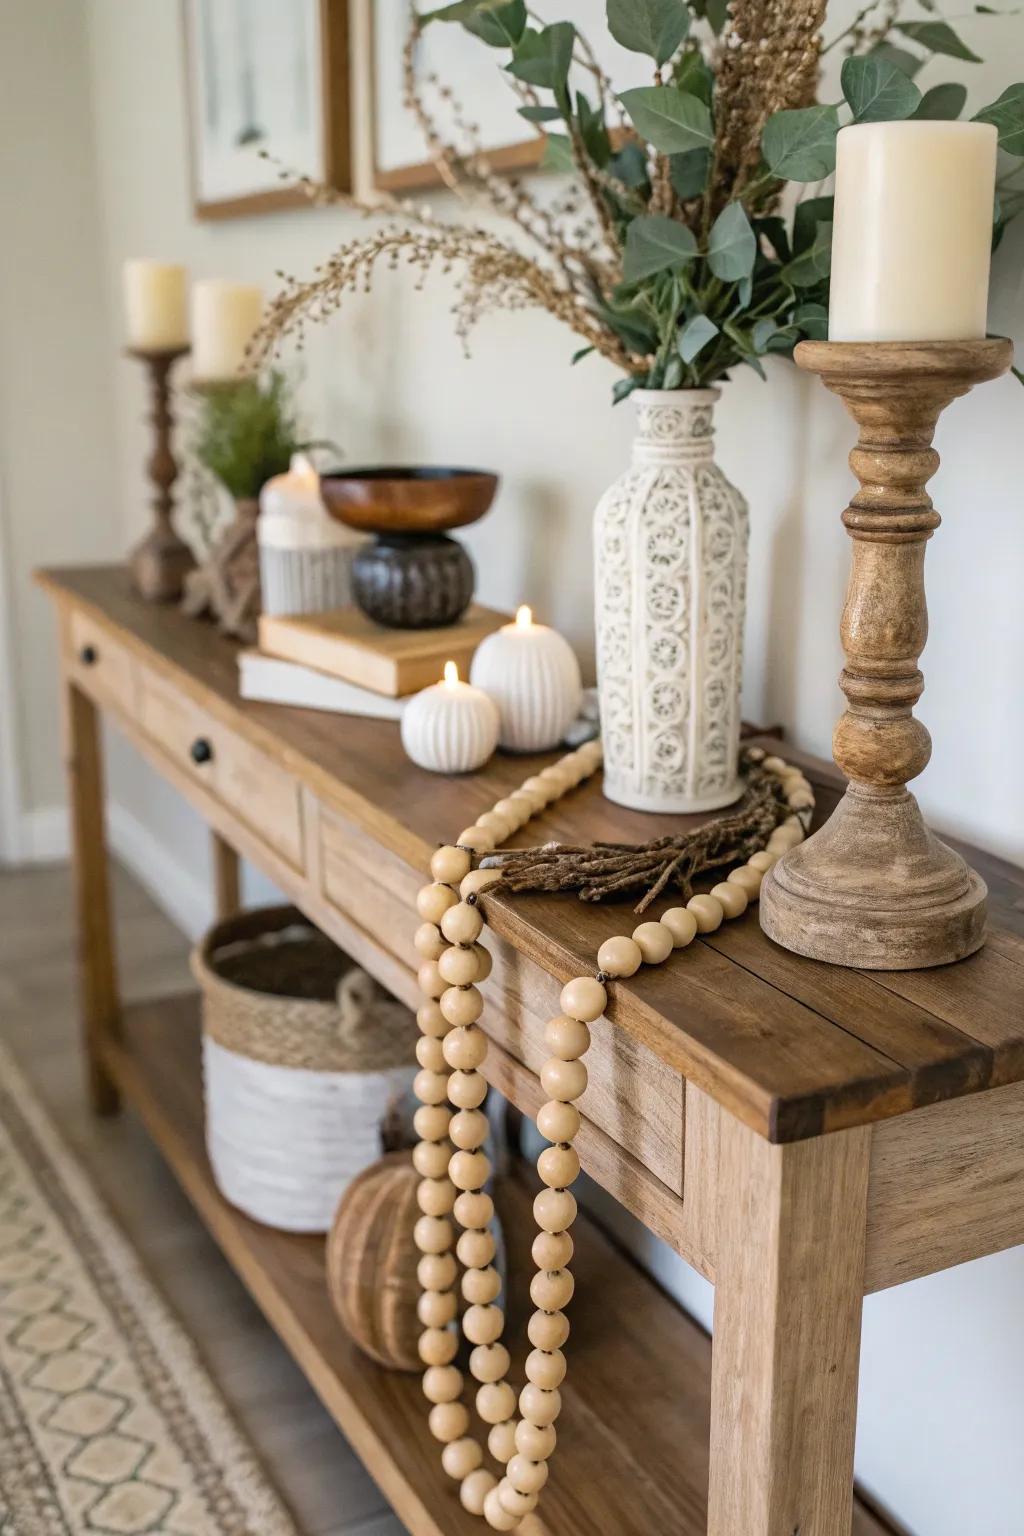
{"points": [[371, 1262]]}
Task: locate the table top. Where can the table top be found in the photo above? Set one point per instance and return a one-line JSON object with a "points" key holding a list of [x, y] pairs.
{"points": [[793, 1047]]}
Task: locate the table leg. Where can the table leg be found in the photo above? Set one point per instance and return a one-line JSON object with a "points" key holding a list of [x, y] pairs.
{"points": [[97, 969], [226, 883], [788, 1295]]}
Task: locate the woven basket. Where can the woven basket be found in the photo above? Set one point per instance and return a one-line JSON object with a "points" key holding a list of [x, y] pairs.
{"points": [[305, 1062]]}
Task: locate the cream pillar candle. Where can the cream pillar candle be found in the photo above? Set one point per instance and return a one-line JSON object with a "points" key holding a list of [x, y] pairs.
{"points": [[531, 673], [224, 317], [912, 234], [156, 312], [451, 727]]}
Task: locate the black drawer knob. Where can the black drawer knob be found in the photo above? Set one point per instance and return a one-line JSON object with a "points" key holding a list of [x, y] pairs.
{"points": [[201, 751], [88, 655]]}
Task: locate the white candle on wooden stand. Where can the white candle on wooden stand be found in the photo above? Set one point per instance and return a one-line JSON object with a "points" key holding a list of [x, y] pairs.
{"points": [[531, 673], [912, 235], [450, 727], [224, 317], [156, 311]]}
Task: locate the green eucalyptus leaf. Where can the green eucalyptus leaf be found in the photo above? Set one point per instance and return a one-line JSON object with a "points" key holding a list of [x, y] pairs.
{"points": [[744, 294], [655, 244], [937, 37], [578, 357], [714, 12], [625, 387], [673, 121], [878, 92], [1007, 114], [731, 244], [800, 145], [593, 131], [812, 320], [543, 58], [688, 172], [806, 218], [942, 103], [499, 26], [652, 27], [673, 373], [909, 63], [694, 337], [692, 74], [540, 114], [463, 11], [762, 333], [813, 264], [557, 154], [634, 329], [783, 340], [629, 165]]}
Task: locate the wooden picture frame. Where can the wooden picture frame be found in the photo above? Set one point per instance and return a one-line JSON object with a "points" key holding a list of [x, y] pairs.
{"points": [[331, 140]]}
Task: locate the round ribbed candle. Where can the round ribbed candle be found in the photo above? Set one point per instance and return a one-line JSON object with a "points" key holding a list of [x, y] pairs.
{"points": [[531, 673], [450, 727]]}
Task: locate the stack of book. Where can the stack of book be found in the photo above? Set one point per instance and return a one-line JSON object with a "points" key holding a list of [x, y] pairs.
{"points": [[345, 663]]}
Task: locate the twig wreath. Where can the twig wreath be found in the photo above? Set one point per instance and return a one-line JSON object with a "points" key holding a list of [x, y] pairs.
{"points": [[451, 1088]]}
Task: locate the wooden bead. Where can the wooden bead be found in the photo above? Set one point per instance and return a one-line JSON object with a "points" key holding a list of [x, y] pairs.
{"points": [[490, 1362], [779, 843], [558, 779], [551, 1250], [566, 1038], [435, 1197], [558, 1167], [465, 1048], [437, 1271], [554, 1210], [483, 1325], [479, 1286], [442, 1384], [515, 812], [563, 1080], [557, 1121], [462, 924], [655, 941], [431, 1020], [541, 787], [429, 941], [430, 1159], [450, 864], [732, 897], [538, 1406], [762, 861], [514, 1503], [477, 838], [430, 1054], [583, 998], [496, 1515], [526, 1475], [430, 1088], [448, 1421], [501, 1442], [431, 1121], [474, 1211], [620, 956], [469, 1170], [462, 1457], [461, 1006], [434, 1234], [477, 881], [468, 1129], [546, 1368], [484, 962], [536, 1442], [438, 1346], [431, 982], [496, 825], [551, 1289], [457, 968], [531, 803], [436, 1309], [547, 1330], [476, 1250], [708, 911], [467, 1090], [681, 924], [775, 765], [495, 1402], [433, 901], [748, 880], [801, 799], [475, 1489]]}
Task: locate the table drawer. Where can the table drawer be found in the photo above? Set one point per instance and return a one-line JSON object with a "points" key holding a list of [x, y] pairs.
{"points": [[243, 778], [101, 665]]}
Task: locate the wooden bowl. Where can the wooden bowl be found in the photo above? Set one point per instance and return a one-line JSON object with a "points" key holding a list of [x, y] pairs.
{"points": [[408, 499]]}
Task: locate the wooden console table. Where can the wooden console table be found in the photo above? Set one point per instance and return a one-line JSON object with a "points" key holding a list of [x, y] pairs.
{"points": [[802, 1135]]}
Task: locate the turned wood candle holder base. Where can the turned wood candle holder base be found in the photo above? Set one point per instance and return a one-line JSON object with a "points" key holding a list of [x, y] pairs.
{"points": [[874, 887], [162, 560]]}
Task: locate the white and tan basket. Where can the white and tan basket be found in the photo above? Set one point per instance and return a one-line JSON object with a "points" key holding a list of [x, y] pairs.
{"points": [[306, 1063]]}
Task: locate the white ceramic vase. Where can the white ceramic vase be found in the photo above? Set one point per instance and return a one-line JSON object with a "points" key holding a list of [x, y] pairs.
{"points": [[670, 593]]}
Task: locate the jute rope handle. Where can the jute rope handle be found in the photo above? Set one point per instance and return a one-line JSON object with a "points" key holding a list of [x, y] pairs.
{"points": [[452, 1129]]}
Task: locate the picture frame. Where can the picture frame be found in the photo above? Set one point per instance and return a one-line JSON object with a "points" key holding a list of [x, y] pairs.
{"points": [[264, 75]]}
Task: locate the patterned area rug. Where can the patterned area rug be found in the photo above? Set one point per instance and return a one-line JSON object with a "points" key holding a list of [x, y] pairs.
{"points": [[109, 1424]]}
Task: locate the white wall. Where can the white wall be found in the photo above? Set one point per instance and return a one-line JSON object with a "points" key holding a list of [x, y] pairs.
{"points": [[941, 1424]]}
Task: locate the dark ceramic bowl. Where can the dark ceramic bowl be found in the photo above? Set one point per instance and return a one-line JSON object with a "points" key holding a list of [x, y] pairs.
{"points": [[407, 499]]}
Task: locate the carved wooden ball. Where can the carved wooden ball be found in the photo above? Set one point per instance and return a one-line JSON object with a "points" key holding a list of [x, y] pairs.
{"points": [[372, 1259]]}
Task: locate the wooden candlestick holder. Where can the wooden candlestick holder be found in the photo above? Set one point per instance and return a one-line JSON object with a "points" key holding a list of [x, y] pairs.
{"points": [[874, 888], [160, 563]]}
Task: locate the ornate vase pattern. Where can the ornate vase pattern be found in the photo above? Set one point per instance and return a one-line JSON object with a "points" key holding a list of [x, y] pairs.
{"points": [[670, 583]]}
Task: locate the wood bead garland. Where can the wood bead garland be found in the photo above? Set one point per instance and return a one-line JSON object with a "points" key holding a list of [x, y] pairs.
{"points": [[452, 1128]]}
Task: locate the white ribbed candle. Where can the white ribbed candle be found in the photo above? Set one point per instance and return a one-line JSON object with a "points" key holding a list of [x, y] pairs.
{"points": [[531, 673], [450, 727]]}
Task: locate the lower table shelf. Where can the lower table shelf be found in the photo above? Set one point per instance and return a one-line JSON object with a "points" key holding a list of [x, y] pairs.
{"points": [[632, 1456]]}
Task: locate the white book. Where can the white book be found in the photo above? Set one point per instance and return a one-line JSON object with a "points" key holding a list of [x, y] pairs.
{"points": [[269, 680]]}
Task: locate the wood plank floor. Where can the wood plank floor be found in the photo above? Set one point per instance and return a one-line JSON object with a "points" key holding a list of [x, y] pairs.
{"points": [[303, 1451]]}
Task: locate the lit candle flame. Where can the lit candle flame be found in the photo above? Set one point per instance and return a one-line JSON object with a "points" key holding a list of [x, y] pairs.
{"points": [[451, 673], [524, 617]]}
